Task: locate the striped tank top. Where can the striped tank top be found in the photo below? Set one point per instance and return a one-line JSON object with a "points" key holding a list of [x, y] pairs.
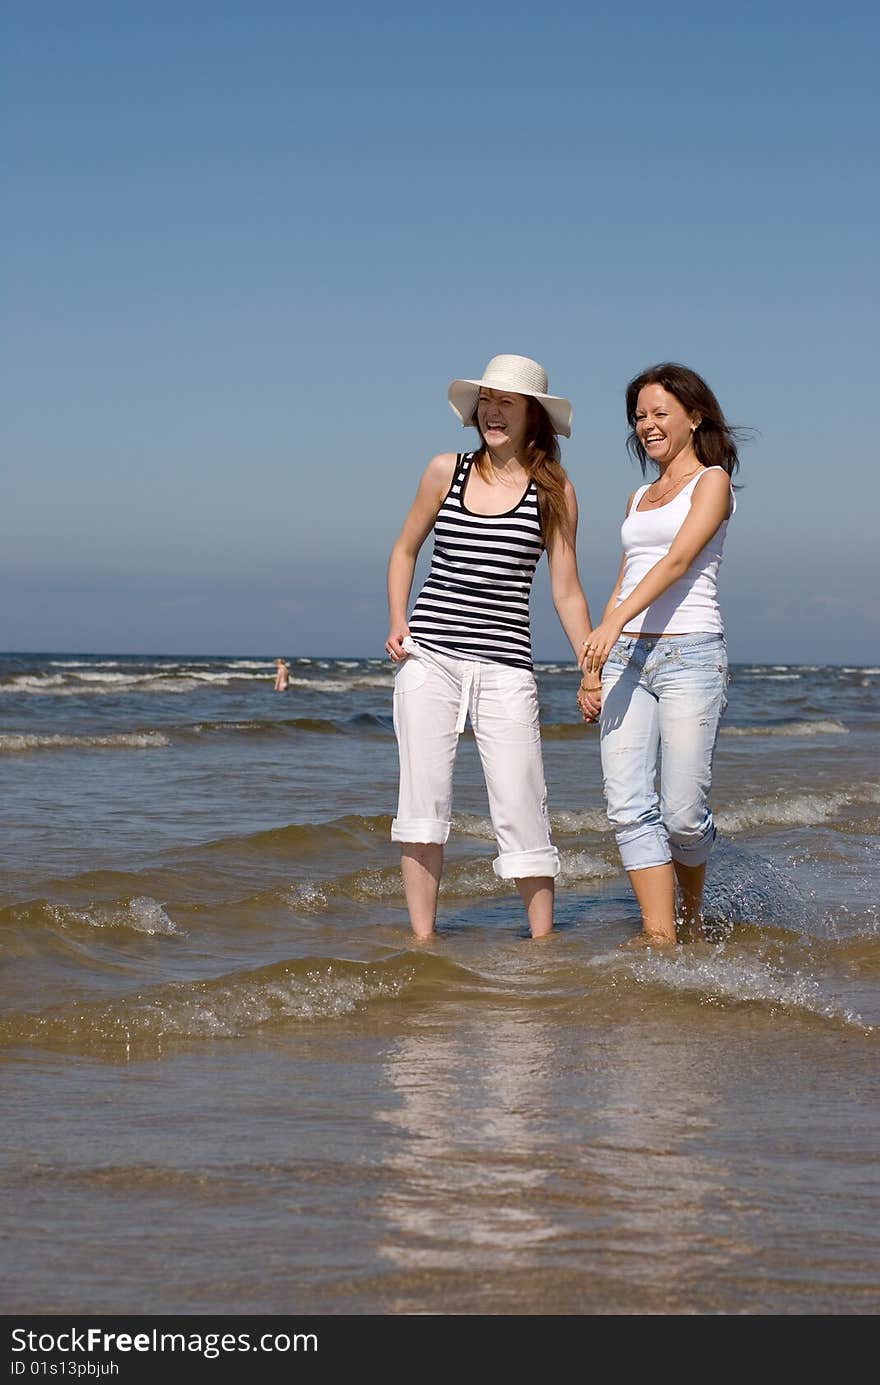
{"points": [[475, 601]]}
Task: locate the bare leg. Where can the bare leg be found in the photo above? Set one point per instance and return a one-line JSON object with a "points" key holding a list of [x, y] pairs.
{"points": [[421, 864], [690, 883], [654, 888], [536, 893]]}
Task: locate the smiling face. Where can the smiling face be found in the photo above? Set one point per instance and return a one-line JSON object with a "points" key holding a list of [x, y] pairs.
{"points": [[502, 418], [663, 425]]}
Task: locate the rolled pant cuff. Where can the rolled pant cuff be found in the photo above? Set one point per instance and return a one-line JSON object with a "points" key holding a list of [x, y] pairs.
{"points": [[643, 846], [420, 830], [695, 855], [522, 865]]}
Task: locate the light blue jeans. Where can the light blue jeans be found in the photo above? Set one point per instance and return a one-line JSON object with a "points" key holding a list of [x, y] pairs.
{"points": [[662, 695]]}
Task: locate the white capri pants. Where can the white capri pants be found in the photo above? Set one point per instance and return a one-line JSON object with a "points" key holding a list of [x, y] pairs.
{"points": [[433, 695]]}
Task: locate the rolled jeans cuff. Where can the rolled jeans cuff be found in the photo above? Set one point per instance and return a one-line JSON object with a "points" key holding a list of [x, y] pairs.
{"points": [[522, 865], [643, 846], [420, 830], [694, 853]]}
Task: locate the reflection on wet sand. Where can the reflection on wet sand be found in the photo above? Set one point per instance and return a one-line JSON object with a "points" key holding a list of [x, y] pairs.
{"points": [[519, 1158], [467, 1143]]}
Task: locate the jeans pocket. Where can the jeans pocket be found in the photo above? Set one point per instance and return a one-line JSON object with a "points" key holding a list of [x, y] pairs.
{"points": [[710, 657], [618, 658]]}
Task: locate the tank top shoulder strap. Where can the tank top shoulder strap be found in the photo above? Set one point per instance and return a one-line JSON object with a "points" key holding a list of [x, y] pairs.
{"points": [[636, 500], [459, 473], [689, 488]]}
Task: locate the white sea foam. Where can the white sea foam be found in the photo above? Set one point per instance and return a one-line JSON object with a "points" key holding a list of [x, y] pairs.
{"points": [[777, 677], [142, 914], [57, 686], [244, 1003], [11, 742], [307, 897], [828, 727], [728, 977], [570, 823], [31, 682], [580, 865], [469, 825], [798, 810], [321, 685], [83, 663], [132, 678]]}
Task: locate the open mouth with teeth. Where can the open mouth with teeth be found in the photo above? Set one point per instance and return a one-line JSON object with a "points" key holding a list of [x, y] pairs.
{"points": [[654, 437]]}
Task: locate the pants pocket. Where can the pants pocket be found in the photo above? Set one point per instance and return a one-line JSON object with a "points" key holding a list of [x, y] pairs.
{"points": [[409, 675], [518, 696]]}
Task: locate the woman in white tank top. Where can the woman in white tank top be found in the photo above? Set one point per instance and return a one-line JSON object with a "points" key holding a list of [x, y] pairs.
{"points": [[660, 647]]}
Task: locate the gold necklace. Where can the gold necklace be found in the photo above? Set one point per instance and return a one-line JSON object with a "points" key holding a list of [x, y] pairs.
{"points": [[656, 499]]}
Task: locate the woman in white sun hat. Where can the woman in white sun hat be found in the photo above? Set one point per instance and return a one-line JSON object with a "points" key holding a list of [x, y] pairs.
{"points": [[466, 646]]}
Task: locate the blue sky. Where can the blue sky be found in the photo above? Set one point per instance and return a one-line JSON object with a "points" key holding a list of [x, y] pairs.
{"points": [[246, 247]]}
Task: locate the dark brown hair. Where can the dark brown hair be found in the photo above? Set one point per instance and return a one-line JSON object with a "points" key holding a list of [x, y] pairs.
{"points": [[543, 465], [714, 440]]}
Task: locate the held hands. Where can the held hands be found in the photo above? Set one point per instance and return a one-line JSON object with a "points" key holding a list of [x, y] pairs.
{"points": [[589, 697], [394, 643], [598, 645]]}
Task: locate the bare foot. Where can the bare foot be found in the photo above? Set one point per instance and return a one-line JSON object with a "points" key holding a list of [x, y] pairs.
{"points": [[648, 940], [691, 931]]}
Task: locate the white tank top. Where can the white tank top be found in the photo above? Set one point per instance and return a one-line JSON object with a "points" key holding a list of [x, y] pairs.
{"points": [[690, 605]]}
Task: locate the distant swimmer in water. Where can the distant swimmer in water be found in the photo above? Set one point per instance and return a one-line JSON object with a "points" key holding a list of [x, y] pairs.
{"points": [[282, 676]]}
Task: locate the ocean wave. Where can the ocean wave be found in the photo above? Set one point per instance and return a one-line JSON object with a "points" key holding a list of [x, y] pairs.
{"points": [[858, 955], [359, 723], [302, 839], [571, 823], [374, 680], [727, 978], [32, 682], [827, 727], [744, 887], [468, 879], [567, 822], [800, 810], [57, 686], [128, 677], [14, 742], [580, 865], [140, 914], [304, 991], [320, 685], [566, 730]]}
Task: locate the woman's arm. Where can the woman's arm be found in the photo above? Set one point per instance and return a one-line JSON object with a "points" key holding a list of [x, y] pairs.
{"points": [[570, 602], [710, 507], [565, 584], [435, 483], [611, 603]]}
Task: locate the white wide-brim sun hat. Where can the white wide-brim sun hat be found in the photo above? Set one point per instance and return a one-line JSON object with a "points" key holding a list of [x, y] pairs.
{"points": [[516, 375]]}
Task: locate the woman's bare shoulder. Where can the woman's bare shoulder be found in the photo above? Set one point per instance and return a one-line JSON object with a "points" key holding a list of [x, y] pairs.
{"points": [[443, 465]]}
